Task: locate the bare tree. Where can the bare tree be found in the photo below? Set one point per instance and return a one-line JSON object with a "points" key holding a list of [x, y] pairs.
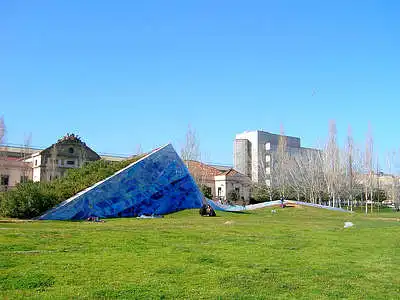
{"points": [[297, 173], [350, 167], [25, 168], [316, 178], [280, 164], [306, 175], [191, 148], [139, 149], [2, 130], [369, 169], [392, 190], [331, 163], [342, 184]]}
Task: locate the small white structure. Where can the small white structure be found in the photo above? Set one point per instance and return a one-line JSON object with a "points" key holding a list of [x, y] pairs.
{"points": [[232, 181]]}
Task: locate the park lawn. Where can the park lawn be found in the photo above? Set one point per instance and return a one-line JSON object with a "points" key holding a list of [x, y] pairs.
{"points": [[299, 253]]}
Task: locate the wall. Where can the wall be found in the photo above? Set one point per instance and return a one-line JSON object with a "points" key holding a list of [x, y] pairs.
{"points": [[252, 137], [229, 183], [14, 169], [242, 156]]}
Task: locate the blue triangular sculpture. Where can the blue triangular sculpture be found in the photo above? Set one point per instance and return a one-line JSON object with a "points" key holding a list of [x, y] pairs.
{"points": [[158, 184]]}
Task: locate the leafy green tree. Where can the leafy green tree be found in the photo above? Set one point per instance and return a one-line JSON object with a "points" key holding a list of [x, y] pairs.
{"points": [[233, 196], [206, 190]]}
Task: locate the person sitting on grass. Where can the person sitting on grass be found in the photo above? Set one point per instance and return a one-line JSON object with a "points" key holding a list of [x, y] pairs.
{"points": [[211, 211], [203, 210], [207, 211]]}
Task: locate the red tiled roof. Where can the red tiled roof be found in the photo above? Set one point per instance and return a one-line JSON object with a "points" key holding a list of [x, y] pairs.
{"points": [[197, 168], [231, 172]]}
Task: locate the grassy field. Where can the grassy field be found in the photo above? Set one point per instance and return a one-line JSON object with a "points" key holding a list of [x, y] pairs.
{"points": [[298, 253]]}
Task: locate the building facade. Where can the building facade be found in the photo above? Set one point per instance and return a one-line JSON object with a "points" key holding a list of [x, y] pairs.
{"points": [[13, 170], [232, 181], [255, 151], [52, 162]]}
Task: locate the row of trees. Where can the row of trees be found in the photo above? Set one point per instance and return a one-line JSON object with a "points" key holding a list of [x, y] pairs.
{"points": [[348, 175]]}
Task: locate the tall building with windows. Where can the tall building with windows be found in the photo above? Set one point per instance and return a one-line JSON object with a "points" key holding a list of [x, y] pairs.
{"points": [[254, 153]]}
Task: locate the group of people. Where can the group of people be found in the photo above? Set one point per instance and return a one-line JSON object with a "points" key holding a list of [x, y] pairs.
{"points": [[207, 211]]}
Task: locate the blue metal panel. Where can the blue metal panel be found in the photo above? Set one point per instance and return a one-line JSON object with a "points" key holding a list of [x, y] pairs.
{"points": [[157, 184]]}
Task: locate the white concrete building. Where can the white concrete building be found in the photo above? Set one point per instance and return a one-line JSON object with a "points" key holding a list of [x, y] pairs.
{"points": [[254, 153], [233, 181]]}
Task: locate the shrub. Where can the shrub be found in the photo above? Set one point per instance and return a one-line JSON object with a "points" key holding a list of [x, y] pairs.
{"points": [[206, 190], [232, 196], [28, 200]]}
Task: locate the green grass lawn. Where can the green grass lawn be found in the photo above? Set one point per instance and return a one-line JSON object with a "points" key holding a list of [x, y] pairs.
{"points": [[299, 253]]}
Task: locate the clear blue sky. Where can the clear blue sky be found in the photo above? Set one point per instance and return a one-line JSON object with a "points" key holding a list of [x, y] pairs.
{"points": [[124, 73]]}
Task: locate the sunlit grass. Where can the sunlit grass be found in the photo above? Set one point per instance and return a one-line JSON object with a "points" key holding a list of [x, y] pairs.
{"points": [[298, 253]]}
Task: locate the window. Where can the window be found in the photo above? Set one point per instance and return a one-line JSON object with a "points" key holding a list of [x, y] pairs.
{"points": [[35, 162], [23, 179], [237, 190], [71, 150], [267, 146], [4, 180], [219, 191], [70, 162]]}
